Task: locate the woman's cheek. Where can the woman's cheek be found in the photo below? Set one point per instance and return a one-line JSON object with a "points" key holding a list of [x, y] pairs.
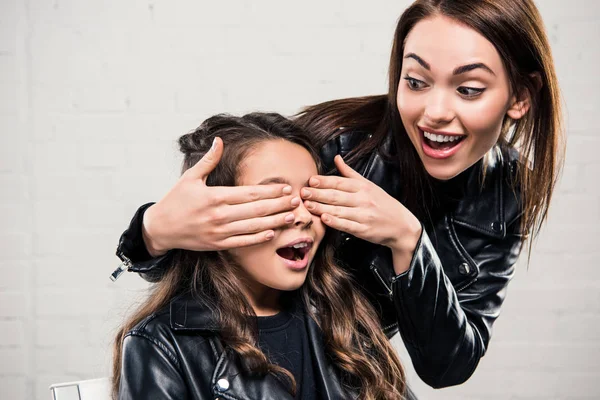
{"points": [[484, 120]]}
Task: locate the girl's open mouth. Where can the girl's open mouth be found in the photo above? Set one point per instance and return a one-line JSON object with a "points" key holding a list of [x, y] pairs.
{"points": [[296, 255]]}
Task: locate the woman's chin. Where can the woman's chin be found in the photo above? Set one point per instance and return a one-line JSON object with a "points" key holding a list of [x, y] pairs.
{"points": [[443, 172]]}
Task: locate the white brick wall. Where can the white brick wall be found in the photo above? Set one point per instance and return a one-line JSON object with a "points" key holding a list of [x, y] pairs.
{"points": [[93, 94]]}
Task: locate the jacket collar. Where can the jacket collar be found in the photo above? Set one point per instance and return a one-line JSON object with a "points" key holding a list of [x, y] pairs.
{"points": [[188, 313], [488, 196], [487, 206]]}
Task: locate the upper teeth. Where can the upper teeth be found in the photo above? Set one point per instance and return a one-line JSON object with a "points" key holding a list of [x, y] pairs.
{"points": [[300, 245], [441, 138]]}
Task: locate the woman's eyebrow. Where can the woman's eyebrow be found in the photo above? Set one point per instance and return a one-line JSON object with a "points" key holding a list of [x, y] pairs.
{"points": [[470, 67], [457, 71], [423, 63]]}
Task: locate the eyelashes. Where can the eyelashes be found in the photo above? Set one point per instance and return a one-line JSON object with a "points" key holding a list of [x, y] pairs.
{"points": [[470, 91], [414, 84], [465, 91]]}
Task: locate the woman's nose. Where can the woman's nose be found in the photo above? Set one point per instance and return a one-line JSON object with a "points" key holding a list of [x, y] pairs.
{"points": [[438, 108]]}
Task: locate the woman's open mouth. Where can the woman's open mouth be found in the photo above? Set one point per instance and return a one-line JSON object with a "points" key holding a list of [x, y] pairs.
{"points": [[440, 145], [295, 255]]}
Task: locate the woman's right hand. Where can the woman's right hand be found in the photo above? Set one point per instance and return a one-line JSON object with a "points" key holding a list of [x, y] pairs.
{"points": [[197, 217]]}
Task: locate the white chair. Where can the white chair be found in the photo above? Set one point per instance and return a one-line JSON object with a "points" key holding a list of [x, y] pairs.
{"points": [[91, 389]]}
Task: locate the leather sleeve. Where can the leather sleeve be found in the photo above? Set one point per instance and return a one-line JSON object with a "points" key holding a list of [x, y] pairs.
{"points": [[149, 371], [132, 250], [447, 332]]}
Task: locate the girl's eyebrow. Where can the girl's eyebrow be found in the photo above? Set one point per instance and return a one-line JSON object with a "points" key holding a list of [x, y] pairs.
{"points": [[277, 179], [457, 71]]}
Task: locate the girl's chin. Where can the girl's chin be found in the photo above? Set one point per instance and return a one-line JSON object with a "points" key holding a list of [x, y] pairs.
{"points": [[289, 287]]}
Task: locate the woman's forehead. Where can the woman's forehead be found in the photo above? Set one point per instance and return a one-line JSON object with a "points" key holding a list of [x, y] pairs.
{"points": [[446, 44]]}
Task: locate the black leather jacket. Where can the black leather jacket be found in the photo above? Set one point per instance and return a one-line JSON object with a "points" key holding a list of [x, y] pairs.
{"points": [[444, 306], [176, 354]]}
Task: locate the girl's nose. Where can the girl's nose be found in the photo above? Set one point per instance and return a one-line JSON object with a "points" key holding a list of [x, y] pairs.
{"points": [[303, 216]]}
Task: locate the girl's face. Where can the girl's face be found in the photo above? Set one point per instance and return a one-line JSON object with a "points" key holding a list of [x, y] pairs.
{"points": [[453, 95], [283, 262]]}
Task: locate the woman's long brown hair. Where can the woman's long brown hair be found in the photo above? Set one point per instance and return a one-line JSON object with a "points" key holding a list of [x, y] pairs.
{"points": [[351, 331], [516, 30]]}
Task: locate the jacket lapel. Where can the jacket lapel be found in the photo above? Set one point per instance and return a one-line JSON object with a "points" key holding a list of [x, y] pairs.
{"points": [[229, 382], [327, 377]]}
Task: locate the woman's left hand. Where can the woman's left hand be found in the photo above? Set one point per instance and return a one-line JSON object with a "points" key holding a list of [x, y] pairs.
{"points": [[353, 204]]}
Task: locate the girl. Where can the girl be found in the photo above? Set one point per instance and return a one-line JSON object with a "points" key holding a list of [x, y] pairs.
{"points": [[276, 320], [443, 179]]}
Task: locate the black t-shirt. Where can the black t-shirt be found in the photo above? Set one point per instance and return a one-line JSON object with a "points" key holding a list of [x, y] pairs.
{"points": [[284, 340]]}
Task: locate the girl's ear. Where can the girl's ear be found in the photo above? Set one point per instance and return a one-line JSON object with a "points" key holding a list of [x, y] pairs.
{"points": [[521, 102]]}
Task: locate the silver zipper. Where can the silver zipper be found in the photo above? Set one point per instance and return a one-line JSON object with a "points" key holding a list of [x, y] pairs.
{"points": [[381, 280], [387, 329], [124, 266]]}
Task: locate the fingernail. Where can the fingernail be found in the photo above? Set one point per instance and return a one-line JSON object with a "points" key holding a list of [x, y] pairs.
{"points": [[309, 204], [314, 182], [287, 190], [214, 145], [305, 193], [295, 201], [270, 235], [326, 218], [290, 218]]}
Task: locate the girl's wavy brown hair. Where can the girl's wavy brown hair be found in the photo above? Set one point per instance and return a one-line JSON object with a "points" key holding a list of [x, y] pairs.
{"points": [[352, 333]]}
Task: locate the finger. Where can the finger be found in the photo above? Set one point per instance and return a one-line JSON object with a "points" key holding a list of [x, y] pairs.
{"points": [[208, 162], [345, 169], [341, 224], [247, 194], [246, 240], [315, 208], [259, 208], [260, 224], [334, 182], [330, 196]]}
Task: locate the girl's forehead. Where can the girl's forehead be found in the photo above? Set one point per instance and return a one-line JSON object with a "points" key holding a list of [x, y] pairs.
{"points": [[277, 161]]}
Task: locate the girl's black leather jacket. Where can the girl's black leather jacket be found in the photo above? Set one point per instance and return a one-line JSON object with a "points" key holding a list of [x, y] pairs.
{"points": [[444, 306], [177, 354]]}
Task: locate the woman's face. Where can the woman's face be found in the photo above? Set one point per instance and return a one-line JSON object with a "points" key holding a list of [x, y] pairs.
{"points": [[283, 262], [453, 95]]}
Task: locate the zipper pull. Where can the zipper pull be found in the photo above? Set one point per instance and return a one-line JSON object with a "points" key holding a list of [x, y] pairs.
{"points": [[124, 266]]}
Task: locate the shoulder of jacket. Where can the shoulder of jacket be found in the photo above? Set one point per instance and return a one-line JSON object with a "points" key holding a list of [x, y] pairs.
{"points": [[341, 144], [155, 327]]}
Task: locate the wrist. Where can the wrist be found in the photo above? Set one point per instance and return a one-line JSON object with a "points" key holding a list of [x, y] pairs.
{"points": [[406, 240], [150, 232], [403, 250]]}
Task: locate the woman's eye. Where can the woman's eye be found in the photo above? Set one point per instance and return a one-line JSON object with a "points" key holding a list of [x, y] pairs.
{"points": [[470, 91], [414, 84]]}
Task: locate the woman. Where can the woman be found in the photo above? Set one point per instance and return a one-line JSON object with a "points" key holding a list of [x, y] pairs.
{"points": [[278, 320], [447, 175]]}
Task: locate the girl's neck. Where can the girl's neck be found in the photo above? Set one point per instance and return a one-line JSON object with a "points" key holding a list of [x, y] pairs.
{"points": [[264, 301]]}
